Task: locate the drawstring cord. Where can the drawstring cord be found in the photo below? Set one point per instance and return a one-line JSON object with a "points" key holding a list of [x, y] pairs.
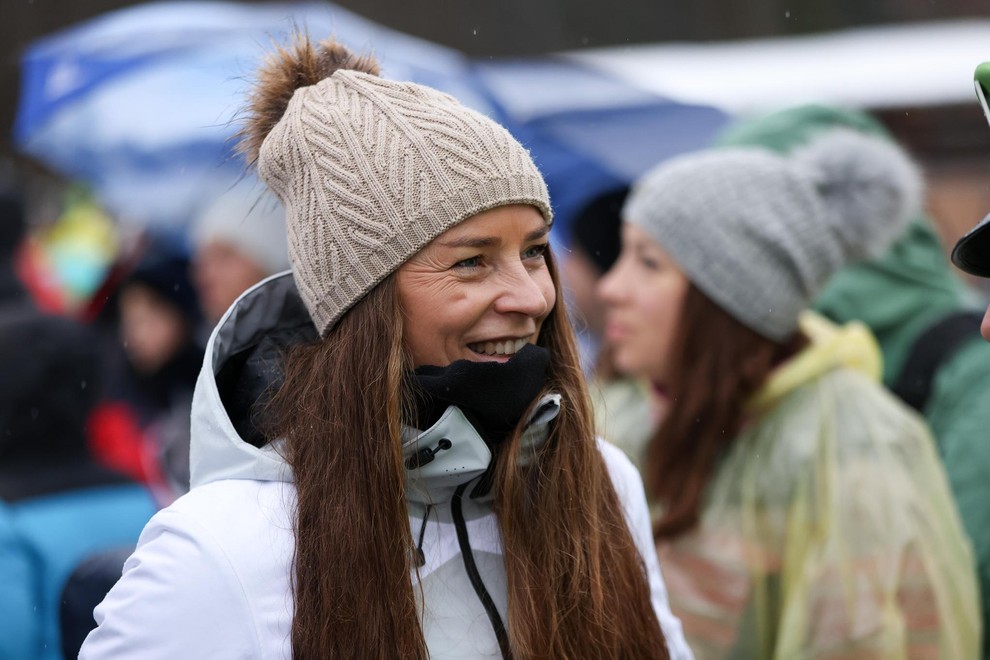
{"points": [[420, 555]]}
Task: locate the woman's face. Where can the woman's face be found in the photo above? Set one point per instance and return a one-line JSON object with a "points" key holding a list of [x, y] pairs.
{"points": [[152, 330], [644, 295], [479, 291], [221, 274]]}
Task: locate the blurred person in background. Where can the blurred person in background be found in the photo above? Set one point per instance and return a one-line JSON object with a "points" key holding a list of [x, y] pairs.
{"points": [[144, 424], [925, 320], [141, 425], [625, 410], [972, 254], [13, 227], [57, 503], [239, 240], [803, 511]]}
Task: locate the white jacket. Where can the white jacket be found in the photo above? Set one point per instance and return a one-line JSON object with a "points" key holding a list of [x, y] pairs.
{"points": [[211, 574]]}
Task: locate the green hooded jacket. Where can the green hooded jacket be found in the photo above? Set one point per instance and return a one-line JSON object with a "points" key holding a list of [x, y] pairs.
{"points": [[898, 297]]}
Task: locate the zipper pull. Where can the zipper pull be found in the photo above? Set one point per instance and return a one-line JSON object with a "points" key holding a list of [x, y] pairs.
{"points": [[420, 555]]}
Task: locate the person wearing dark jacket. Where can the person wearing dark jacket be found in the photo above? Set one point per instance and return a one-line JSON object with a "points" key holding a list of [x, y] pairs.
{"points": [[57, 504], [12, 230], [154, 361]]}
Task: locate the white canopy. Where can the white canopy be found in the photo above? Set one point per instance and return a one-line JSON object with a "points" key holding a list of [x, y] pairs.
{"points": [[872, 68]]}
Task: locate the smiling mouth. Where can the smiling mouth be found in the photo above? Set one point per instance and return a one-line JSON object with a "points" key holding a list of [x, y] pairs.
{"points": [[504, 348]]}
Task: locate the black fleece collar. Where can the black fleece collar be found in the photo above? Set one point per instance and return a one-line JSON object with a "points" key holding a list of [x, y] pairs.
{"points": [[493, 395]]}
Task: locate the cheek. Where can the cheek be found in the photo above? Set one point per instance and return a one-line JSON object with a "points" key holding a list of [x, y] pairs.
{"points": [[243, 274], [656, 325], [646, 352], [669, 313], [431, 337], [668, 324]]}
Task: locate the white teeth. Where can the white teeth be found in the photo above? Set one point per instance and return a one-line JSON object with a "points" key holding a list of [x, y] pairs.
{"points": [[507, 347]]}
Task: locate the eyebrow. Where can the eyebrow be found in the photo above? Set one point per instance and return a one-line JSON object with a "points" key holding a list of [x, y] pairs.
{"points": [[489, 241]]}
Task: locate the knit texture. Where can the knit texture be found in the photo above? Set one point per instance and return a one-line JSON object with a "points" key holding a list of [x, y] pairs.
{"points": [[760, 233], [371, 170]]}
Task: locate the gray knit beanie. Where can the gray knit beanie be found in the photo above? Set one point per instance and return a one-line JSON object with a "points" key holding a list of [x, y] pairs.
{"points": [[247, 217], [371, 170], [761, 233]]}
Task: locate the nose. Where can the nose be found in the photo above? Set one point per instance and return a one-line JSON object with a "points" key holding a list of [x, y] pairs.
{"points": [[985, 326], [524, 292], [609, 287]]}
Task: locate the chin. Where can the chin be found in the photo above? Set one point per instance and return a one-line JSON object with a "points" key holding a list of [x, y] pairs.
{"points": [[624, 365], [629, 365]]}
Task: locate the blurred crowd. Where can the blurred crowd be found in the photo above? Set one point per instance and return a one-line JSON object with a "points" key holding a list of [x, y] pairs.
{"points": [[100, 364]]}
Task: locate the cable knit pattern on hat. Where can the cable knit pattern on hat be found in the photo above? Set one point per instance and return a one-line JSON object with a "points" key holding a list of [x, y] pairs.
{"points": [[370, 170]]}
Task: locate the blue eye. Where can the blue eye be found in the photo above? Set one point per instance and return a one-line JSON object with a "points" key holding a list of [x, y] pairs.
{"points": [[472, 262], [536, 251]]}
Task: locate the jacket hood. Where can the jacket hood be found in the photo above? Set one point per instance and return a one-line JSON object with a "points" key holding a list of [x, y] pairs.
{"points": [[830, 347], [239, 366]]}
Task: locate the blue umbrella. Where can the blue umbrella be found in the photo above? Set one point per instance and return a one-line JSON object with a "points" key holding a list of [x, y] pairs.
{"points": [[141, 103]]}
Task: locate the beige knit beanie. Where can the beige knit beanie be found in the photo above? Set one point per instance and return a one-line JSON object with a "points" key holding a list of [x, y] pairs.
{"points": [[371, 170]]}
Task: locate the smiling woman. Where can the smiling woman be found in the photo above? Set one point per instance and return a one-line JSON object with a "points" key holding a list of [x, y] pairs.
{"points": [[490, 276], [393, 453]]}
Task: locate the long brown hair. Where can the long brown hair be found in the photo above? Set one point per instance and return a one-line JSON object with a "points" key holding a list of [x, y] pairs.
{"points": [[717, 364], [577, 586], [340, 411]]}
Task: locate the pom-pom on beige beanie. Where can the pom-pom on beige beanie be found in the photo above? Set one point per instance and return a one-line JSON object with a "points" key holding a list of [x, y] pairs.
{"points": [[371, 170]]}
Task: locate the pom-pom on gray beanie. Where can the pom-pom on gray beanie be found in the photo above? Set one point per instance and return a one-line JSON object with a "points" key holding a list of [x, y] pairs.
{"points": [[760, 233], [371, 170]]}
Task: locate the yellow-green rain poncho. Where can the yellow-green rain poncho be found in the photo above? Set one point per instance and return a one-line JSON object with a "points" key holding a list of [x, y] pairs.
{"points": [[828, 530]]}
